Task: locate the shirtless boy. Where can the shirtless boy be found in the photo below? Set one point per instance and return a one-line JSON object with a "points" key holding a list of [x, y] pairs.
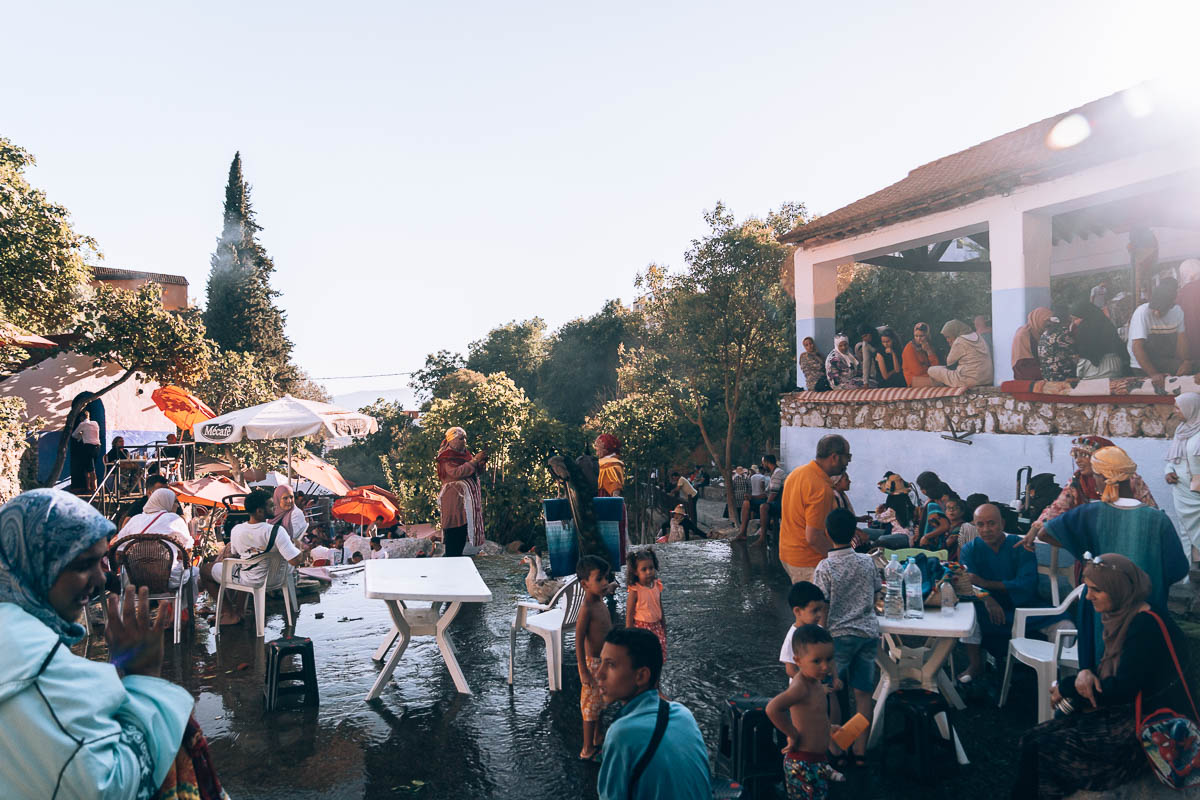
{"points": [[801, 712], [594, 624]]}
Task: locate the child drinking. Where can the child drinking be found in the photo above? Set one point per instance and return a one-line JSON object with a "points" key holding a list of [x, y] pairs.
{"points": [[593, 625], [801, 713], [643, 604], [808, 608]]}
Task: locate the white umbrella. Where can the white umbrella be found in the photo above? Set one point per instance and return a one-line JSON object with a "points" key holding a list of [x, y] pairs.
{"points": [[285, 418], [272, 480]]}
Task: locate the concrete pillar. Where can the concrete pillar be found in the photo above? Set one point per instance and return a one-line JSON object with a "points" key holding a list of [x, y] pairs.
{"points": [[816, 294], [1019, 246]]}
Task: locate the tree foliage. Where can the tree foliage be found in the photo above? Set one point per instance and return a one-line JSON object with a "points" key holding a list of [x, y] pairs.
{"points": [[132, 330], [516, 349], [42, 269], [579, 371], [367, 461], [241, 314], [426, 382], [720, 333]]}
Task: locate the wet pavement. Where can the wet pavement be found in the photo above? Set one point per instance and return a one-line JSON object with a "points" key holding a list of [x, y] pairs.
{"points": [[726, 613]]}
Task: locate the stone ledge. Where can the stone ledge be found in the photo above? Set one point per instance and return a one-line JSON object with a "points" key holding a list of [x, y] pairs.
{"points": [[984, 410]]}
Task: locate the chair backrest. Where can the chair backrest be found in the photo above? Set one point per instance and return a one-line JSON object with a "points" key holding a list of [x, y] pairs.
{"points": [[146, 560], [1049, 559], [276, 567], [572, 593]]}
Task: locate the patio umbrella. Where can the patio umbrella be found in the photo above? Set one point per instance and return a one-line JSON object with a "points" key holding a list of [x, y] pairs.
{"points": [[12, 335], [207, 491], [271, 480], [285, 418], [362, 506], [322, 473], [181, 406], [379, 490]]}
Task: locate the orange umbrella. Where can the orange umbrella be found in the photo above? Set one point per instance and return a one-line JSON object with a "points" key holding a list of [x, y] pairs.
{"points": [[181, 406], [207, 491], [362, 506], [379, 490]]}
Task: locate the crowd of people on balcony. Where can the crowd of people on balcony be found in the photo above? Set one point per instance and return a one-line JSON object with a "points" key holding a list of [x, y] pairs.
{"points": [[1092, 338]]}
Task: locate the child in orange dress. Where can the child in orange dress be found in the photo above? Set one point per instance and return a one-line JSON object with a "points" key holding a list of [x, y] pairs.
{"points": [[643, 605]]}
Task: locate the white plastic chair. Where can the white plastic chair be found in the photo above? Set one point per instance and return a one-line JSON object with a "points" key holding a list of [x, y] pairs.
{"points": [[1045, 657], [279, 576], [549, 622], [1052, 570]]}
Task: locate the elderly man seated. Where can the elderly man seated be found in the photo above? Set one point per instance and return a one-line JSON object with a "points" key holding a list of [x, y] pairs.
{"points": [[1008, 573]]}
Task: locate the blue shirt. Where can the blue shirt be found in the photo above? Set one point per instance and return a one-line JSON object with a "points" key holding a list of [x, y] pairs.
{"points": [[1015, 567], [679, 768]]}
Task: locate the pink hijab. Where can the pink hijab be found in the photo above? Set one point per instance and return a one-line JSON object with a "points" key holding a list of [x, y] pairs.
{"points": [[284, 518], [1026, 338]]}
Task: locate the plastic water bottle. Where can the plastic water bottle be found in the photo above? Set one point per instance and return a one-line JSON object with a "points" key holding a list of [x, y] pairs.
{"points": [[948, 599], [893, 597], [914, 603]]}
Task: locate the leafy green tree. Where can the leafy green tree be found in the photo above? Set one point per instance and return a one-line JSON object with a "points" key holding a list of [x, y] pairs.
{"points": [[426, 382], [42, 269], [721, 331], [241, 314], [579, 371], [240, 380], [516, 349], [132, 330], [367, 461]]}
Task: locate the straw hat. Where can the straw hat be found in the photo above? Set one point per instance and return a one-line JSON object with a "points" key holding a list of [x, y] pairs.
{"points": [[679, 509]]}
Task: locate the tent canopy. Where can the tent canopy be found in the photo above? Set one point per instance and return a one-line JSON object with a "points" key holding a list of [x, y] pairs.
{"points": [[286, 418]]}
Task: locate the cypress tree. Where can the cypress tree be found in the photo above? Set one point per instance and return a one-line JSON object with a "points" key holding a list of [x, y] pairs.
{"points": [[241, 315]]}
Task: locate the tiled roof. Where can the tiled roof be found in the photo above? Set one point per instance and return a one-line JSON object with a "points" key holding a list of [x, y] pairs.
{"points": [[110, 274], [999, 165]]}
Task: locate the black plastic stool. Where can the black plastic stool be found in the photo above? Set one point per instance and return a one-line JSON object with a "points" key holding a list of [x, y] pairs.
{"points": [[749, 745], [281, 684], [927, 756]]}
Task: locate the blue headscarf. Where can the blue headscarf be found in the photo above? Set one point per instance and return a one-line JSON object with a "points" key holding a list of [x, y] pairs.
{"points": [[41, 532]]}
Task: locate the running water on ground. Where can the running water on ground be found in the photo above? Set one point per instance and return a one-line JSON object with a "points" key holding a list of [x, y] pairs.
{"points": [[726, 613]]}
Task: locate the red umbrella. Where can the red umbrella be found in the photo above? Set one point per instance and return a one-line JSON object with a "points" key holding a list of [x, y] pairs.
{"points": [[362, 506]]}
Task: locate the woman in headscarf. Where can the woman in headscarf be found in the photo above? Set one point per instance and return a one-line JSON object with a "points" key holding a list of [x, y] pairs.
{"points": [[287, 513], [1183, 472], [158, 517], [1120, 524], [460, 499], [611, 480], [1101, 352], [812, 366], [70, 727], [841, 367], [1084, 486], [969, 352], [1100, 750], [1025, 343], [919, 356]]}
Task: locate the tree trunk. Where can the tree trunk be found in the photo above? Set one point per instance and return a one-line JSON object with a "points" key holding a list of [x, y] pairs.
{"points": [[234, 463], [77, 405]]}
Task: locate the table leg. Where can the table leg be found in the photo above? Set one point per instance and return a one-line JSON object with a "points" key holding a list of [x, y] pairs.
{"points": [[948, 732], [400, 626], [386, 644], [446, 645]]}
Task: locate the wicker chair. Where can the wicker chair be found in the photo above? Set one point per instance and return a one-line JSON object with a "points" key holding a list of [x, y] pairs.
{"points": [[146, 559]]}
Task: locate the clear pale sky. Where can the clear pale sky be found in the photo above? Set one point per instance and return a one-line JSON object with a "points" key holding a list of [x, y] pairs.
{"points": [[424, 172]]}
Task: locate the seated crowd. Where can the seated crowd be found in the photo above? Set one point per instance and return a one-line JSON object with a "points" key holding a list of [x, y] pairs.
{"points": [[1125, 633]]}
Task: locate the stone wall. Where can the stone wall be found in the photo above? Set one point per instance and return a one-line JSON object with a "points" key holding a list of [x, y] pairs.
{"points": [[985, 411]]}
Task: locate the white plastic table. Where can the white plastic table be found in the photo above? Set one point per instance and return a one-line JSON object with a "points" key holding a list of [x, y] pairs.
{"points": [[898, 662], [445, 583]]}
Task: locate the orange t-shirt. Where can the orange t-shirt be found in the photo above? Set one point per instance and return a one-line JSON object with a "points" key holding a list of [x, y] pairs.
{"points": [[649, 602], [807, 499]]}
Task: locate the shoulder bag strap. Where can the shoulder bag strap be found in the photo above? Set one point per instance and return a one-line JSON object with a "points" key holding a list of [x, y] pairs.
{"points": [[1178, 669], [274, 532], [156, 516], [660, 727]]}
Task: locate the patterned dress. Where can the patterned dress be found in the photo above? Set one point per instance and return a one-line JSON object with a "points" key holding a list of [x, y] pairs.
{"points": [[1056, 351]]}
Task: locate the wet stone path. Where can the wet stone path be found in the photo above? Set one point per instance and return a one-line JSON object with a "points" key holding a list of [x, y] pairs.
{"points": [[726, 612]]}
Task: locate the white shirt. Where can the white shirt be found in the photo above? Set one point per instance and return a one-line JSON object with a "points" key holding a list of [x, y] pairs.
{"points": [[88, 432], [1146, 322], [758, 484], [686, 490], [786, 655], [164, 523], [299, 524], [379, 554], [250, 538]]}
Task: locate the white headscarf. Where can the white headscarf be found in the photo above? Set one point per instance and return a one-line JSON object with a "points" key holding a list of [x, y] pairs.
{"points": [[846, 358], [1188, 404], [1189, 270], [160, 500]]}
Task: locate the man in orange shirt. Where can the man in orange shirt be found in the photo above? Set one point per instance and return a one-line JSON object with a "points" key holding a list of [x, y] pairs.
{"points": [[808, 498]]}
